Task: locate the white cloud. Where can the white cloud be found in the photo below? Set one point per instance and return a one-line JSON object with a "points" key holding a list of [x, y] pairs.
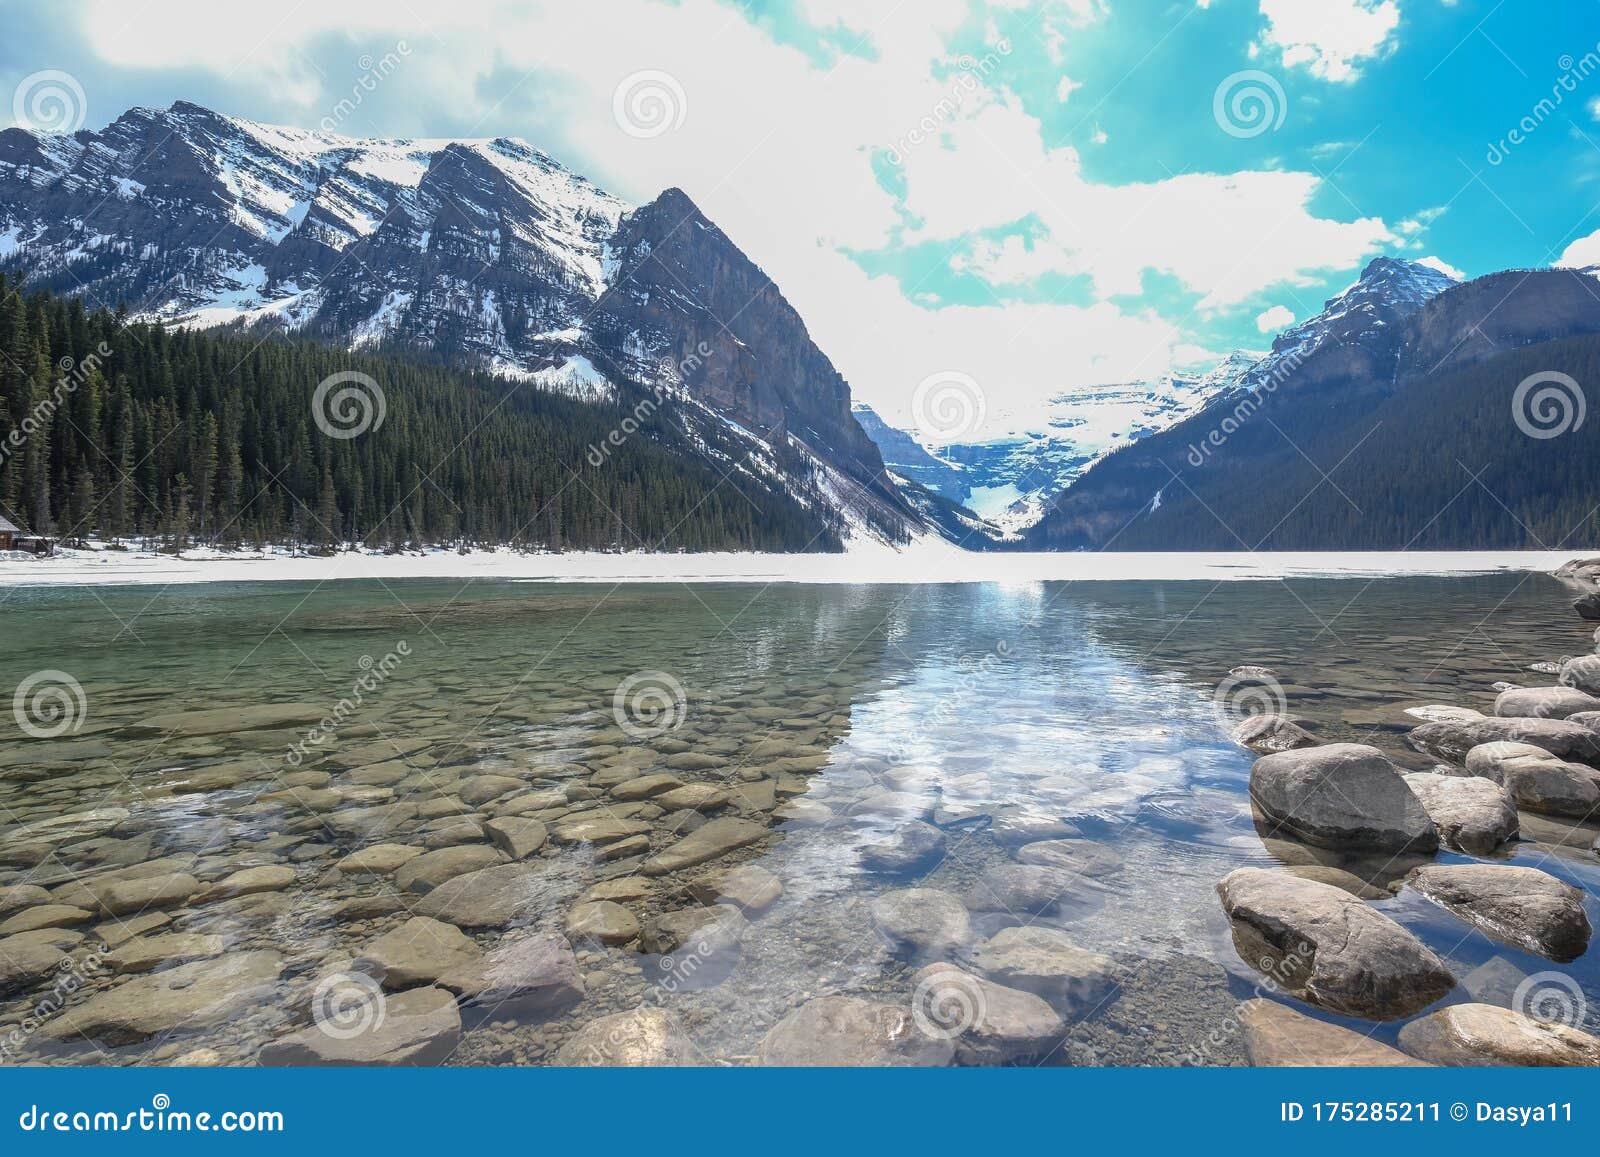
{"points": [[1442, 266], [1330, 37], [778, 150], [1582, 253], [1274, 319], [1065, 87]]}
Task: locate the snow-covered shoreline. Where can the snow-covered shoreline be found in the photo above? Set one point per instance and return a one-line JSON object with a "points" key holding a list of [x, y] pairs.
{"points": [[923, 562]]}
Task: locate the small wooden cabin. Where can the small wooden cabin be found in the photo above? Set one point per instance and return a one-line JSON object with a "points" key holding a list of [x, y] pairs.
{"points": [[9, 533]]}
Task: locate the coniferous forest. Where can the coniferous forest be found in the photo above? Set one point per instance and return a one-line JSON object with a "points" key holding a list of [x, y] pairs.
{"points": [[130, 431]]}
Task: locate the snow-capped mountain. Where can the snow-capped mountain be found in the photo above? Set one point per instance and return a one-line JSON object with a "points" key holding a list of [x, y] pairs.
{"points": [[1008, 480], [483, 253]]}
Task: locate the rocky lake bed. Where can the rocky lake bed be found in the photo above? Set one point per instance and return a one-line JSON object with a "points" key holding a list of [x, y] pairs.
{"points": [[1318, 821]]}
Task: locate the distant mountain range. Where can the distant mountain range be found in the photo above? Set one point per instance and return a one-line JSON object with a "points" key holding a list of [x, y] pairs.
{"points": [[1008, 480], [1414, 412], [488, 255]]}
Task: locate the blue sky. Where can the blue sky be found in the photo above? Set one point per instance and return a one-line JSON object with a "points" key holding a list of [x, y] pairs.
{"points": [[1034, 195]]}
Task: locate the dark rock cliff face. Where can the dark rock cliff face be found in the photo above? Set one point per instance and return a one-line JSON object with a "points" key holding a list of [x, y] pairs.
{"points": [[684, 293]]}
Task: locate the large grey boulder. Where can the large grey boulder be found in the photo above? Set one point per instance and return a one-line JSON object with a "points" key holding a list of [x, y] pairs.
{"points": [[1325, 946], [1516, 905], [989, 1023], [836, 1031], [1537, 780], [1450, 741], [418, 1027], [1544, 702], [908, 847], [1485, 1034], [1342, 796], [1582, 673], [1473, 815], [1588, 606]]}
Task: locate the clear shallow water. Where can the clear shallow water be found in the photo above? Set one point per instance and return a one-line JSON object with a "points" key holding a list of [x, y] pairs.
{"points": [[1003, 710]]}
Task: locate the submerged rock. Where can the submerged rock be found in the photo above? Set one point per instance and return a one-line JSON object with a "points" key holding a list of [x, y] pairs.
{"points": [[1472, 815], [603, 920], [525, 974], [1047, 963], [924, 922], [989, 1023], [1278, 1036], [1524, 907], [419, 951], [1341, 795], [715, 838], [418, 1027], [1483, 1034], [831, 1031], [911, 846], [1329, 948], [201, 995], [644, 1037], [1267, 734]]}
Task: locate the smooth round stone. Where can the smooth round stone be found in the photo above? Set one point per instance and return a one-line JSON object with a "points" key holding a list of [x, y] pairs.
{"points": [[910, 846], [418, 1027], [142, 953], [249, 882], [43, 916], [1473, 815], [1276, 1035], [1484, 1034], [419, 951], [1047, 963], [838, 1031], [602, 920], [643, 1038], [517, 837], [1341, 796], [1544, 702], [989, 1023], [1021, 889], [378, 860], [1516, 905], [750, 888], [431, 869], [1081, 857], [924, 922]]}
